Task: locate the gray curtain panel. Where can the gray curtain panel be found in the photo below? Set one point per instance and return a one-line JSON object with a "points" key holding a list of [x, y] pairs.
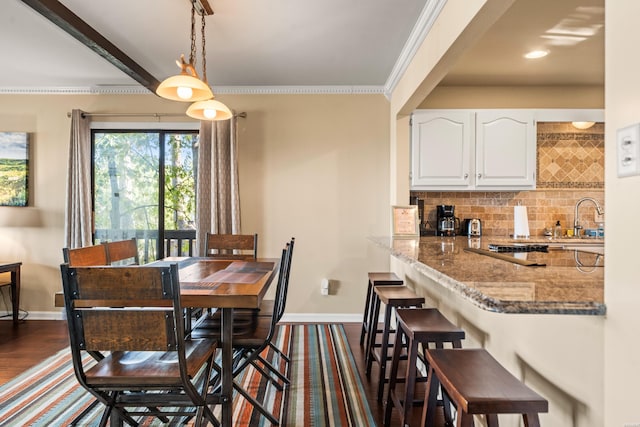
{"points": [[218, 192], [78, 224]]}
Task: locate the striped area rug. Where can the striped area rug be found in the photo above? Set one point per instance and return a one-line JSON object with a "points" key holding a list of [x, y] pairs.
{"points": [[325, 387]]}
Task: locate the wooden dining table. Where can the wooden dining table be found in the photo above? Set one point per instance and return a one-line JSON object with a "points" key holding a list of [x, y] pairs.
{"points": [[226, 285]]}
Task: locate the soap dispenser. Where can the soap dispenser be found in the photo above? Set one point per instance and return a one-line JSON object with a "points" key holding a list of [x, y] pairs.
{"points": [[557, 231]]}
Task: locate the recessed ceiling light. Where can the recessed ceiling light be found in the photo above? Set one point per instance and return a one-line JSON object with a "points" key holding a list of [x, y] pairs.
{"points": [[534, 54]]}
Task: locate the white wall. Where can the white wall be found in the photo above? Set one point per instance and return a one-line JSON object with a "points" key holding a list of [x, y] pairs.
{"points": [[622, 198], [311, 166]]}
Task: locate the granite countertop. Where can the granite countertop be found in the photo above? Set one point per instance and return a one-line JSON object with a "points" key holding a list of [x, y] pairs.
{"points": [[560, 287]]}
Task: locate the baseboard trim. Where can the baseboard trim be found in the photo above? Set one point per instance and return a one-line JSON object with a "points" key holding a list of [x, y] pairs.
{"points": [[288, 317]]}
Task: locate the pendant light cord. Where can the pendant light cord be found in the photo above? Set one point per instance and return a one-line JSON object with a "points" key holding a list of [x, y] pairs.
{"points": [[192, 55], [204, 51]]}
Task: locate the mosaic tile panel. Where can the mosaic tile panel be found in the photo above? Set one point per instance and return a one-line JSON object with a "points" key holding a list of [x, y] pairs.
{"points": [[568, 157]]}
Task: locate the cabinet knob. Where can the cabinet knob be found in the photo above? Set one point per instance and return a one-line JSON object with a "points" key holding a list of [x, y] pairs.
{"points": [[466, 175], [479, 175]]}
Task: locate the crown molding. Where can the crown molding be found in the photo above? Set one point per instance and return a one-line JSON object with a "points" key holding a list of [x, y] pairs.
{"points": [[219, 90], [423, 25], [76, 90], [299, 90]]}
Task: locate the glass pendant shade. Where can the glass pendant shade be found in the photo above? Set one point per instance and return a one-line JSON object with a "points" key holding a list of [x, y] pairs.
{"points": [[209, 110], [185, 88]]}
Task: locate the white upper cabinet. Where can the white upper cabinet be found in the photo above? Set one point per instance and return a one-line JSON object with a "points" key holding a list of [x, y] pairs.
{"points": [[505, 149], [473, 150], [441, 147]]}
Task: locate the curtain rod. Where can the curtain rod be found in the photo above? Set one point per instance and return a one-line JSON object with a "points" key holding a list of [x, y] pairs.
{"points": [[156, 115]]}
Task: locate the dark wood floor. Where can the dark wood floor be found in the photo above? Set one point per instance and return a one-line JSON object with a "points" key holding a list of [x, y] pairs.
{"points": [[32, 341]]}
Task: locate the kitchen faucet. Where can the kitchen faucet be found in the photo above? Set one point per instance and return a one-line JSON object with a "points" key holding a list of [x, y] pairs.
{"points": [[576, 223]]}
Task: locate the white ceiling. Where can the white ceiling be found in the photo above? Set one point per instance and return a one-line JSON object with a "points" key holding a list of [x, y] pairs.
{"points": [[284, 43]]}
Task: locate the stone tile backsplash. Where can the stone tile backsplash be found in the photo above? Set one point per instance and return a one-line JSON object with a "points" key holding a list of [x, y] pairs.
{"points": [[570, 166], [570, 158]]}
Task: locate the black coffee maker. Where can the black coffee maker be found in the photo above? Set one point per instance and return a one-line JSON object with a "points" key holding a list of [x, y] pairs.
{"points": [[446, 221]]}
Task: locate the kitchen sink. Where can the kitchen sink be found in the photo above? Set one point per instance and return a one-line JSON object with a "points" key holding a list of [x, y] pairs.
{"points": [[583, 245], [584, 254]]}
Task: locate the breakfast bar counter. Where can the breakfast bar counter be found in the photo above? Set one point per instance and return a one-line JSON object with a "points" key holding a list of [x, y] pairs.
{"points": [[570, 282], [542, 323]]}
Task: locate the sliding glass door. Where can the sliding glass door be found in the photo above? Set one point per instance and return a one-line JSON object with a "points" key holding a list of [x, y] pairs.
{"points": [[144, 187]]}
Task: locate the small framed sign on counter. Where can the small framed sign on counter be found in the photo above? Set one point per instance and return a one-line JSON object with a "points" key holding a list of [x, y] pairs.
{"points": [[405, 220]]}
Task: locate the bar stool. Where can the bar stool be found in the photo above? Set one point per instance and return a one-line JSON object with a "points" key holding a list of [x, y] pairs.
{"points": [[419, 326], [393, 297], [478, 384], [375, 279]]}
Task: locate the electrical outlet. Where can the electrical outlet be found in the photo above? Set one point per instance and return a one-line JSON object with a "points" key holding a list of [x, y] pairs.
{"points": [[628, 148], [324, 287]]}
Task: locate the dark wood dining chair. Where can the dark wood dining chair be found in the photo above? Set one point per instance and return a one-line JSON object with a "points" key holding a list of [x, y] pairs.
{"points": [[134, 314], [229, 247], [247, 347], [86, 256], [123, 252], [232, 246]]}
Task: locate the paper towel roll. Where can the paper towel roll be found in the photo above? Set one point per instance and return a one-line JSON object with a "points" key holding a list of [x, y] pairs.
{"points": [[520, 222]]}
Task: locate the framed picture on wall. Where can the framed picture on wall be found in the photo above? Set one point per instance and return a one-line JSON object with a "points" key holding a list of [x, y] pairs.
{"points": [[405, 220], [14, 168]]}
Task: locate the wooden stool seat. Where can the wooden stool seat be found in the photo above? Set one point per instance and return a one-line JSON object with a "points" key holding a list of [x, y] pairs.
{"points": [[375, 279], [398, 296], [421, 326], [478, 384], [393, 297]]}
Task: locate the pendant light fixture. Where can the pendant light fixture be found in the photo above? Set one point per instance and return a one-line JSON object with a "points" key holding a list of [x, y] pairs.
{"points": [[186, 86], [208, 109]]}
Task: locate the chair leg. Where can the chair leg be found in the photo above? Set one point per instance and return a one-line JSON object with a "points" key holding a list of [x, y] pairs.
{"points": [[531, 420], [384, 347], [431, 399], [372, 335], [253, 402], [409, 380], [365, 325], [273, 369], [492, 420], [393, 375], [89, 408]]}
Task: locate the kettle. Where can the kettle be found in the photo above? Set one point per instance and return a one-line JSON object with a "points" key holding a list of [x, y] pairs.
{"points": [[472, 227]]}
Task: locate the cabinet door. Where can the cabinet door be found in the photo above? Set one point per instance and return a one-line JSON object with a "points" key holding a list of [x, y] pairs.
{"points": [[441, 144], [505, 149]]}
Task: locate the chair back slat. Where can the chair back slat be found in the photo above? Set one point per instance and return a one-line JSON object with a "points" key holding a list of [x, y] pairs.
{"points": [[102, 330], [89, 255], [119, 283], [232, 246], [123, 252], [123, 308]]}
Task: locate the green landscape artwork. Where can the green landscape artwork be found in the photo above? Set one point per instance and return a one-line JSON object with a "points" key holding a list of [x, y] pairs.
{"points": [[14, 168]]}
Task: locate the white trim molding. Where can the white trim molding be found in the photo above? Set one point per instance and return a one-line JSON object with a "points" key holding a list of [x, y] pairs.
{"points": [[425, 22], [219, 90]]}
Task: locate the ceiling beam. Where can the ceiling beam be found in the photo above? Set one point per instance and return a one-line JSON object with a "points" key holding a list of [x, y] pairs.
{"points": [[71, 23], [203, 7]]}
